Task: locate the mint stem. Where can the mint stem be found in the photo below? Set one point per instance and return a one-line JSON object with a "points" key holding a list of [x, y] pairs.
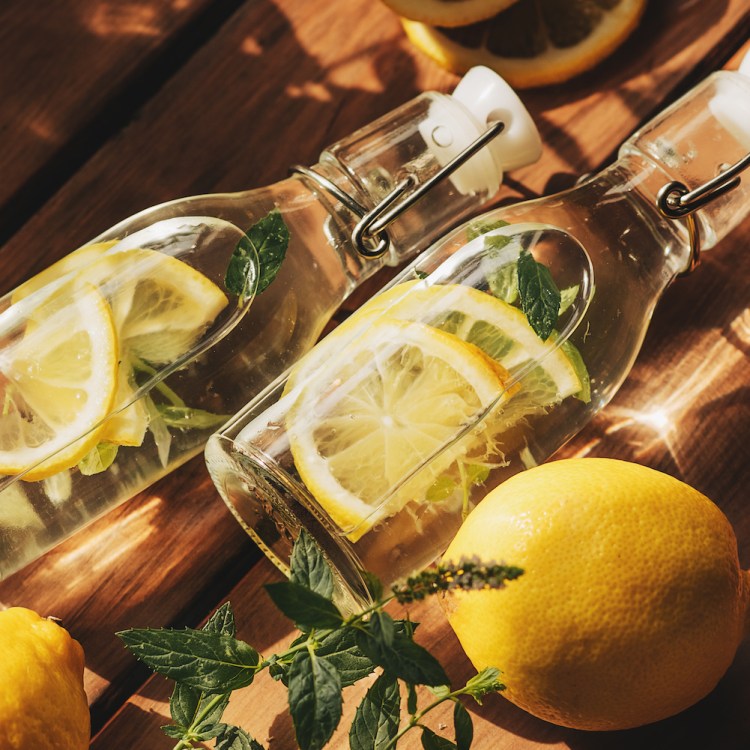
{"points": [[161, 386], [419, 715]]}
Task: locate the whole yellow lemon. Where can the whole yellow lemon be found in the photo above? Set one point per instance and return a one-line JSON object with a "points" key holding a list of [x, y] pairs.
{"points": [[42, 701], [632, 602]]}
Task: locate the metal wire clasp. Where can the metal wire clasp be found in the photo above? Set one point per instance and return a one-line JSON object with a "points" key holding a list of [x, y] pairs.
{"points": [[370, 235], [676, 201]]}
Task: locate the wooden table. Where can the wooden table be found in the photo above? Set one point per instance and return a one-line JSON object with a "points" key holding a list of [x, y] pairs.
{"points": [[107, 108]]}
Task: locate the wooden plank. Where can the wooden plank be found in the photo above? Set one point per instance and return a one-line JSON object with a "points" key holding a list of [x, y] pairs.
{"points": [[71, 73], [276, 85]]}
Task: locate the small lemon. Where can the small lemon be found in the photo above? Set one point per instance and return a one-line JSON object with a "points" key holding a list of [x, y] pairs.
{"points": [[632, 603], [42, 701]]}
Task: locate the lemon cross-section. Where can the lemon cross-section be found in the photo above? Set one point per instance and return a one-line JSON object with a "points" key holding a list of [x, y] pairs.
{"points": [[533, 42], [161, 307], [57, 383], [399, 397]]}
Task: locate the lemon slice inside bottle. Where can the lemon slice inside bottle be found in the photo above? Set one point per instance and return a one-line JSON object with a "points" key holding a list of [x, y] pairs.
{"points": [[161, 307], [75, 261], [448, 12], [533, 42], [360, 430], [499, 329], [57, 384]]}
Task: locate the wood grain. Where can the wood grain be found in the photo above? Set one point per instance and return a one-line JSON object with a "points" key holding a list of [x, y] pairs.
{"points": [[72, 74], [274, 86]]}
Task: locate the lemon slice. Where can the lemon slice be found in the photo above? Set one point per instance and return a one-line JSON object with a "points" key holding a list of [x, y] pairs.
{"points": [[448, 12], [500, 330], [57, 384], [533, 42], [366, 423], [161, 307], [129, 423], [74, 261]]}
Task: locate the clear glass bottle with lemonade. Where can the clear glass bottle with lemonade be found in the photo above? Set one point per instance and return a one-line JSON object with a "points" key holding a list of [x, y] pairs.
{"points": [[118, 361], [484, 356]]}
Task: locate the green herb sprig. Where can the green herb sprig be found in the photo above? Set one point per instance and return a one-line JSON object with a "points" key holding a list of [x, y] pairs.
{"points": [[332, 652]]}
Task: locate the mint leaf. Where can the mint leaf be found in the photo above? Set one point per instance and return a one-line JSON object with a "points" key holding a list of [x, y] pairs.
{"points": [[314, 699], [98, 459], [540, 297], [377, 717], [306, 608], [187, 704], [309, 568], [411, 699], [485, 682], [340, 649], [503, 282], [382, 628], [398, 654], [259, 253], [463, 726], [208, 731], [432, 741], [374, 585], [186, 418], [175, 732], [482, 226], [234, 738], [221, 621], [208, 661], [495, 242], [567, 297]]}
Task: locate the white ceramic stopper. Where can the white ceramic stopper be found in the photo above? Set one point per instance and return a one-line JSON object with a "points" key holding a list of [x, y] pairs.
{"points": [[481, 98]]}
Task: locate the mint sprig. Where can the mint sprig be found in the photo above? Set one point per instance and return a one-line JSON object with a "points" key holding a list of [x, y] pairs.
{"points": [[331, 653]]}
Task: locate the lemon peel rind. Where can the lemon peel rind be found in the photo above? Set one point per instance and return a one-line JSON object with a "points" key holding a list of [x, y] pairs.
{"points": [[442, 13]]}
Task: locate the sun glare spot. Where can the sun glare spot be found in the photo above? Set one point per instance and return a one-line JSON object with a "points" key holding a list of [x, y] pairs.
{"points": [[251, 47], [124, 19]]}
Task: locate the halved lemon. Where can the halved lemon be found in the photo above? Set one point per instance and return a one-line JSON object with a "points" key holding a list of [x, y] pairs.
{"points": [[448, 12], [400, 395], [533, 42], [57, 384]]}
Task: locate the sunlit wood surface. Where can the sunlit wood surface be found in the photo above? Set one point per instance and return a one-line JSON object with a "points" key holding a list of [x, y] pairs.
{"points": [[109, 107]]}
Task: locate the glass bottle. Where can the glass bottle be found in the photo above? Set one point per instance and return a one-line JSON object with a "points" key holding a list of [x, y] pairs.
{"points": [[118, 362], [359, 445]]}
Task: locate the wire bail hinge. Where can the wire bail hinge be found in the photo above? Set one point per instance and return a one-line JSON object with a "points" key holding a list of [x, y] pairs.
{"points": [[370, 235], [676, 201]]}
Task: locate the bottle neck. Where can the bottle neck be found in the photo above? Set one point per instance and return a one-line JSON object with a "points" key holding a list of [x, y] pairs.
{"points": [[696, 139], [660, 245], [416, 229]]}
